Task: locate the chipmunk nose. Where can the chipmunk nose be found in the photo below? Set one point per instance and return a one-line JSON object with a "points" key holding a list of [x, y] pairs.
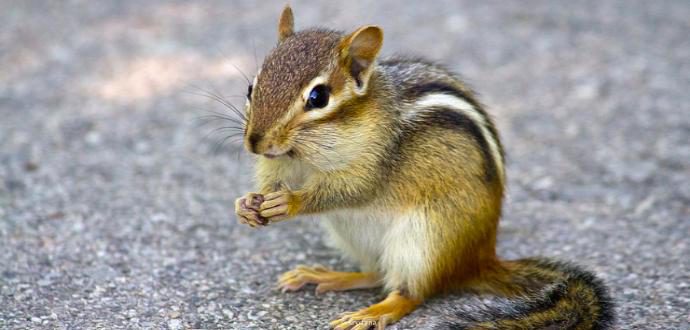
{"points": [[254, 139]]}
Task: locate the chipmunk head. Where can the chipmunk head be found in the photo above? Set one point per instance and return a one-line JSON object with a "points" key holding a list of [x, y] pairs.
{"points": [[303, 84]]}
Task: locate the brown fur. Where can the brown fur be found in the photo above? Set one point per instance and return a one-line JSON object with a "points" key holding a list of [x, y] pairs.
{"points": [[422, 187], [287, 70]]}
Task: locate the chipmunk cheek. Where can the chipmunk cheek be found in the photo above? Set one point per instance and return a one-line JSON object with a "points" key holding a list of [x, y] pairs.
{"points": [[283, 139]]}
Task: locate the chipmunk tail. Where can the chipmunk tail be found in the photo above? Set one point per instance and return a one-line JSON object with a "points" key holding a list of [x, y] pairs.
{"points": [[552, 295]]}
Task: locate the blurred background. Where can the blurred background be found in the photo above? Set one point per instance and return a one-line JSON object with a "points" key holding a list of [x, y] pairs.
{"points": [[116, 200]]}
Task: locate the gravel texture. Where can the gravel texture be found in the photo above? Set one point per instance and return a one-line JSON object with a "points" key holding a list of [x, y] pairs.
{"points": [[117, 212]]}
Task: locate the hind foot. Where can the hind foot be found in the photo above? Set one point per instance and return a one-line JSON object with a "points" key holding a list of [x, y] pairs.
{"points": [[326, 279], [388, 311]]}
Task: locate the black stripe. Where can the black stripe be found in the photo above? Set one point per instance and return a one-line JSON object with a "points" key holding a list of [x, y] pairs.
{"points": [[452, 119], [417, 91], [567, 284]]}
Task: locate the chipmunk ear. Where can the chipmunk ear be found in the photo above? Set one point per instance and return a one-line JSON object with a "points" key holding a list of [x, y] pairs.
{"points": [[286, 24], [358, 52]]}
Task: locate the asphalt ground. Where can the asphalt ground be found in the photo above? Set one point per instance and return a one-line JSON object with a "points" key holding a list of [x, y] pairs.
{"points": [[116, 210]]}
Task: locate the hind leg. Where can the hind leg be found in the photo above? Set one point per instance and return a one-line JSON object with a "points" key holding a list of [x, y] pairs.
{"points": [[326, 279], [388, 311]]}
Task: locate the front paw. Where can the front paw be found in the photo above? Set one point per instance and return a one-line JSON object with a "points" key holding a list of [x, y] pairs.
{"points": [[278, 206], [247, 210]]}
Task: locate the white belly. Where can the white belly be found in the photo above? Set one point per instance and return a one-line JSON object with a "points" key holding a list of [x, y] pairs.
{"points": [[357, 233], [395, 245]]}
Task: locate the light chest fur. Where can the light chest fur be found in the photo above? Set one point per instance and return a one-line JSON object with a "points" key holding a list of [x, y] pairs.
{"points": [[378, 240]]}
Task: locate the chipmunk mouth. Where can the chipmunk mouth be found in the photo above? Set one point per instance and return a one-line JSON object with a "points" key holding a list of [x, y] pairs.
{"points": [[273, 153]]}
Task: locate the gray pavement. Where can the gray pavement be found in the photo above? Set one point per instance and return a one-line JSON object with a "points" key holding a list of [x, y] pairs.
{"points": [[116, 212]]}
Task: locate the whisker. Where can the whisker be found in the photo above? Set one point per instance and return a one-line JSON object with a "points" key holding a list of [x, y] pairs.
{"points": [[238, 152], [220, 145], [315, 151], [219, 116], [321, 144], [256, 61], [249, 82], [310, 135], [222, 129], [229, 106], [233, 64], [219, 99]]}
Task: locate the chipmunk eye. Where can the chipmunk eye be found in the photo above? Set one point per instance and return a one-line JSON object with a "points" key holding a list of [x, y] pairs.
{"points": [[318, 97], [249, 92]]}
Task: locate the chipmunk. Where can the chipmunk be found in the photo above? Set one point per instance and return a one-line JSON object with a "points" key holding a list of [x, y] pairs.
{"points": [[406, 171]]}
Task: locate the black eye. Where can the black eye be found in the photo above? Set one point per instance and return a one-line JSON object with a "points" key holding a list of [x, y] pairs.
{"points": [[318, 97], [249, 92]]}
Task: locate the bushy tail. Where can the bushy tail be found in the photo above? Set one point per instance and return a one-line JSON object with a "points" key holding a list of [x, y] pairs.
{"points": [[555, 295]]}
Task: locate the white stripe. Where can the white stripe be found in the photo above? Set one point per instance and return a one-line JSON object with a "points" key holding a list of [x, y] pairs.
{"points": [[458, 104]]}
